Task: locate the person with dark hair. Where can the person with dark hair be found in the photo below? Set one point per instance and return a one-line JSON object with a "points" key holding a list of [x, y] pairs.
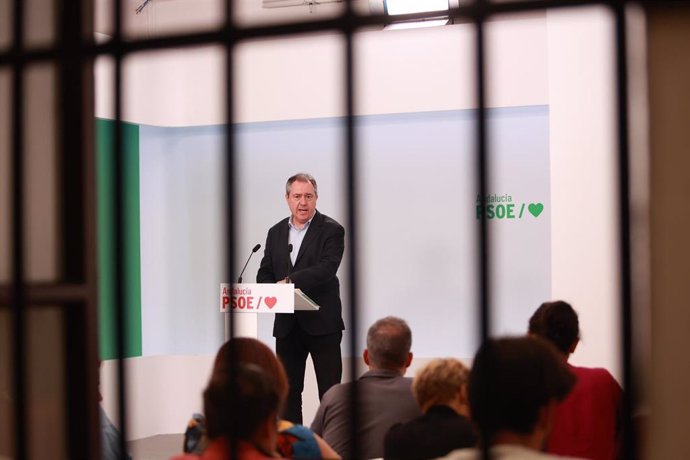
{"points": [[514, 387], [558, 323], [384, 394], [440, 388], [587, 422], [305, 249], [293, 441], [241, 404]]}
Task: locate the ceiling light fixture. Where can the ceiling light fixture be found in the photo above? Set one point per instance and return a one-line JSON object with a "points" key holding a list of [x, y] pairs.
{"points": [[395, 7]]}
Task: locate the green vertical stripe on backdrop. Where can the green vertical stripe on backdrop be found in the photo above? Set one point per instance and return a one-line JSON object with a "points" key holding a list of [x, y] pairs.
{"points": [[105, 133]]}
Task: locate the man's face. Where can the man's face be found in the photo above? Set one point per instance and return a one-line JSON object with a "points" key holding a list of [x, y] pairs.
{"points": [[302, 202]]}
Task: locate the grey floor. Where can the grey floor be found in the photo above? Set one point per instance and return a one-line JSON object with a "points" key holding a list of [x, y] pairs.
{"points": [[159, 447]]}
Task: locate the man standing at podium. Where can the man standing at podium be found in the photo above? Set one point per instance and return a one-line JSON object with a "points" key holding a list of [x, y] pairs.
{"points": [[306, 249]]}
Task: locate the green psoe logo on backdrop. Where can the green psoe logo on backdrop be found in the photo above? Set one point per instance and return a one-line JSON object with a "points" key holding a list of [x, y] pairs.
{"points": [[502, 207]]}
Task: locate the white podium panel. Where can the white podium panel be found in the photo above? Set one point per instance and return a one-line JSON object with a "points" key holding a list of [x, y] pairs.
{"points": [[263, 298], [257, 298]]}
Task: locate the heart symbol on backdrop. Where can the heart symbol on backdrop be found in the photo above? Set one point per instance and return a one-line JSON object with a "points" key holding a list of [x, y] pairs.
{"points": [[535, 209], [270, 301]]}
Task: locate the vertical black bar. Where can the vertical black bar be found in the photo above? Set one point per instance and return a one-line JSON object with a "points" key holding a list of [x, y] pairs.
{"points": [[229, 155], [482, 173], [19, 304], [629, 446], [71, 114], [482, 163], [351, 195], [78, 396], [119, 246], [230, 187]]}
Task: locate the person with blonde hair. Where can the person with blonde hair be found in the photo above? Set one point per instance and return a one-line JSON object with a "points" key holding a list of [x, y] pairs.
{"points": [[440, 389], [513, 389]]}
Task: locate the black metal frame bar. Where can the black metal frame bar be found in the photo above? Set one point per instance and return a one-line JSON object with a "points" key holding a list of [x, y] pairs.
{"points": [[119, 246], [482, 164], [19, 303], [72, 85], [228, 40], [79, 51], [466, 13], [352, 222], [625, 242]]}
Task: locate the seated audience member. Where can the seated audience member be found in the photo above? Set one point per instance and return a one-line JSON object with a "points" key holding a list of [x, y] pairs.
{"points": [[441, 392], [514, 387], [111, 449], [294, 441], [110, 439], [385, 396], [241, 406], [587, 421]]}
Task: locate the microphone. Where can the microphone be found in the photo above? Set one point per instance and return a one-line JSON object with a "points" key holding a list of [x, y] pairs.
{"points": [[256, 248], [287, 278]]}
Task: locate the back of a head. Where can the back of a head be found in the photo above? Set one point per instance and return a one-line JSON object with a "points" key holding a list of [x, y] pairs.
{"points": [[439, 382], [238, 400], [389, 341], [511, 379], [556, 322], [251, 351]]}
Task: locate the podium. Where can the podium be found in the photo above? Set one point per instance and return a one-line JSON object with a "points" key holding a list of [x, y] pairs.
{"points": [[250, 299]]}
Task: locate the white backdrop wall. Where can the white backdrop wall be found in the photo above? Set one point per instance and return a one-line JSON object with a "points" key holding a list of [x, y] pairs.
{"points": [[561, 60], [418, 256], [583, 151]]}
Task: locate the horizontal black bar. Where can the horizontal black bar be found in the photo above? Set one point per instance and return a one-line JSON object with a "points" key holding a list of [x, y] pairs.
{"points": [[46, 294], [468, 13]]}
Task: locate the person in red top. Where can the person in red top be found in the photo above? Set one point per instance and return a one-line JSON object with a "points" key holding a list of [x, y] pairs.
{"points": [[241, 406], [587, 421]]}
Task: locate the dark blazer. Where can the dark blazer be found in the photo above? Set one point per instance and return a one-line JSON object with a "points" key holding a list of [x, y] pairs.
{"points": [[314, 273], [434, 434]]}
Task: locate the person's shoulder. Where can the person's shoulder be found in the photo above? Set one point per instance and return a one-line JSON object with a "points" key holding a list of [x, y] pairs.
{"points": [[403, 430], [503, 452], [328, 221], [595, 375], [335, 393], [282, 223], [299, 431], [297, 441], [406, 381], [397, 439], [462, 454]]}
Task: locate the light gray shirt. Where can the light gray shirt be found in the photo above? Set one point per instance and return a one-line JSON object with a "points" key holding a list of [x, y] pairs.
{"points": [[296, 237], [385, 399]]}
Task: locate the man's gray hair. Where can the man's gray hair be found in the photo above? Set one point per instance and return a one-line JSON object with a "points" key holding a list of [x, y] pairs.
{"points": [[301, 177], [389, 341]]}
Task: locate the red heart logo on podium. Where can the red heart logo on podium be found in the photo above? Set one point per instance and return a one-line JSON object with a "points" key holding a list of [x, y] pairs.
{"points": [[270, 301]]}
